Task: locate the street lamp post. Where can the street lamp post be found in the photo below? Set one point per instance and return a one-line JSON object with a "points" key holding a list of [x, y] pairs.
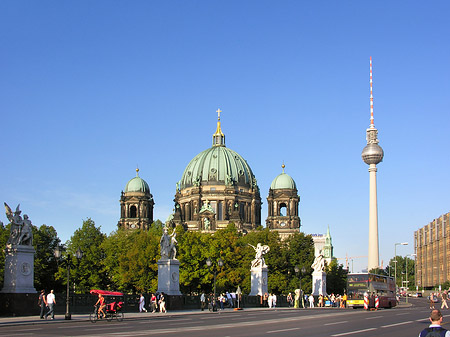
{"points": [[407, 277], [58, 254], [395, 266], [297, 271], [209, 263]]}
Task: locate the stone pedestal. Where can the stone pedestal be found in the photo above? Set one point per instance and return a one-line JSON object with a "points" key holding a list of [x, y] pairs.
{"points": [[169, 276], [259, 281], [319, 284], [19, 269]]}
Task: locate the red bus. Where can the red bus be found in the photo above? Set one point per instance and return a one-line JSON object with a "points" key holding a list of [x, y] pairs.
{"points": [[360, 283]]}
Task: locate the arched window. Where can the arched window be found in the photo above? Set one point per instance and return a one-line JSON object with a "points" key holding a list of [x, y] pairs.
{"points": [[283, 209], [133, 212]]}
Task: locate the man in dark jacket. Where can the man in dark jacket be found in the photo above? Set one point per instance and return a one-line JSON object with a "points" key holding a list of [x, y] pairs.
{"points": [[435, 328]]}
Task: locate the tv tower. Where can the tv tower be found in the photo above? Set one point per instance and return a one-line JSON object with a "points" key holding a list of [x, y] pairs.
{"points": [[372, 154]]}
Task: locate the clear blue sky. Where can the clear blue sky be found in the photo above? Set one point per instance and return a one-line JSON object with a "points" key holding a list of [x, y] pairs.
{"points": [[90, 89]]}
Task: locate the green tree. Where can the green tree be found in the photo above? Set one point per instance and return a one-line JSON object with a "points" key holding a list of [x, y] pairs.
{"points": [[4, 235], [89, 271], [45, 240], [336, 278], [401, 271]]}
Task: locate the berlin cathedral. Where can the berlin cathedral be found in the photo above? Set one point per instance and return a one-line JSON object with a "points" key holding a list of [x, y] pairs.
{"points": [[217, 187]]}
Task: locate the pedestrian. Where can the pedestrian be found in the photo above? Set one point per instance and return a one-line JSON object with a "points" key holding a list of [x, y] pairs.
{"points": [[431, 301], [42, 303], [265, 300], [344, 301], [320, 301], [274, 300], [435, 328], [51, 304], [162, 303], [142, 303], [270, 300], [153, 303], [311, 301], [229, 299], [333, 300], [290, 300], [444, 296], [203, 300], [233, 299], [221, 301]]}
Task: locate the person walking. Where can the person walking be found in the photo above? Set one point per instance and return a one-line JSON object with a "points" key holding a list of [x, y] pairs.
{"points": [[274, 300], [311, 301], [203, 301], [290, 300], [162, 303], [431, 301], [270, 300], [153, 303], [435, 328], [51, 305], [142, 303], [444, 296], [42, 303]]}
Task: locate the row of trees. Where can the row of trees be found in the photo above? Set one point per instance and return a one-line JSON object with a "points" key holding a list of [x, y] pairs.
{"points": [[127, 260]]}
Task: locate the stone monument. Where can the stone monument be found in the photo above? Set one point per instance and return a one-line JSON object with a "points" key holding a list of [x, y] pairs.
{"points": [[319, 276], [19, 254], [259, 271], [168, 265]]}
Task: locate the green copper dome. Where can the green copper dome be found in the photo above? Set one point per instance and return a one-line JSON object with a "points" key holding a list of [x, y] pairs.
{"points": [[283, 181], [137, 185], [218, 165]]}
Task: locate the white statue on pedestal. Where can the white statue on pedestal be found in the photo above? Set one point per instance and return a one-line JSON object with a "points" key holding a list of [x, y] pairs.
{"points": [[260, 251], [168, 245], [319, 263]]}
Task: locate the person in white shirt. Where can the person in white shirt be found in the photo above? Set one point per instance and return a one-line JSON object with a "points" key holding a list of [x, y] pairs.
{"points": [[51, 303], [311, 301]]}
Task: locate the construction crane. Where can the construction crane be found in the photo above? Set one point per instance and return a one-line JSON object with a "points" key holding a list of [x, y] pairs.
{"points": [[346, 258]]}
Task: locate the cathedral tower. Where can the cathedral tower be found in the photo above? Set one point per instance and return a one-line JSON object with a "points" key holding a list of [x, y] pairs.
{"points": [[136, 205], [282, 205]]}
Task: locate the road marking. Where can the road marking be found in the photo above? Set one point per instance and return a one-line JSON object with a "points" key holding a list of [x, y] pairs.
{"points": [[395, 324], [422, 320], [342, 322], [275, 331], [374, 317], [353, 332]]}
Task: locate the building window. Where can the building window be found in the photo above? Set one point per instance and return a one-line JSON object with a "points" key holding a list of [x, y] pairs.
{"points": [[283, 209], [219, 210], [133, 212], [212, 189]]}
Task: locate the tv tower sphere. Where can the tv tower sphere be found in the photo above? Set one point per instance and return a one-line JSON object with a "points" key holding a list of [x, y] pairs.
{"points": [[372, 154]]}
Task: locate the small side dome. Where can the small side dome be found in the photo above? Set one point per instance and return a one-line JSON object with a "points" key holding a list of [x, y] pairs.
{"points": [[283, 181], [137, 184]]}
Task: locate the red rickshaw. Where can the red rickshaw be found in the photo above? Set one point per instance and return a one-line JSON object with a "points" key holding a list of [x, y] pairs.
{"points": [[113, 309]]}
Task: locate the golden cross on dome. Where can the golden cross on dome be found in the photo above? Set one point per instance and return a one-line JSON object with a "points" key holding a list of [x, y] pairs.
{"points": [[218, 113]]}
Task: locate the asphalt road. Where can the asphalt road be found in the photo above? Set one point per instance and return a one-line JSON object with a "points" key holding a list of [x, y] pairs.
{"points": [[400, 321]]}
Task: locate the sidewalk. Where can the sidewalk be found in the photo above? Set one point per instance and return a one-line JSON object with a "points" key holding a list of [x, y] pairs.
{"points": [[31, 320]]}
